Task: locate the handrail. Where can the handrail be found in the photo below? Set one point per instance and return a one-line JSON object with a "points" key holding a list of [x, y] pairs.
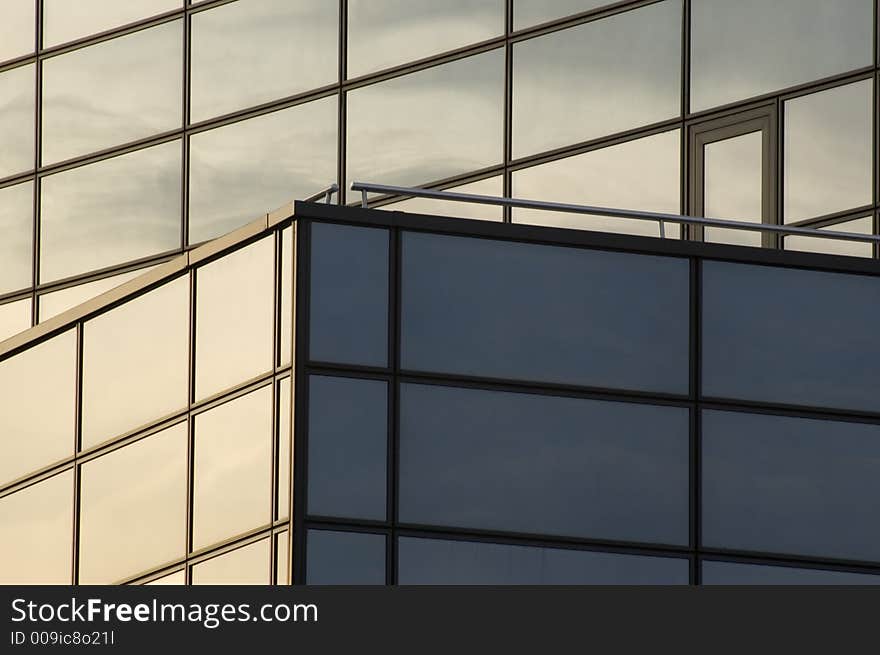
{"points": [[368, 187], [326, 194]]}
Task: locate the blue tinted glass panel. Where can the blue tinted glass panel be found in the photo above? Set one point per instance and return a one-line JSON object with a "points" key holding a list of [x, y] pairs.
{"points": [[349, 295], [544, 313], [790, 336], [445, 562], [345, 558], [736, 573], [348, 447], [791, 485], [540, 464]]}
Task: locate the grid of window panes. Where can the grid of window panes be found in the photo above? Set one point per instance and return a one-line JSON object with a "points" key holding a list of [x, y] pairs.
{"points": [[473, 412], [150, 440], [131, 130]]}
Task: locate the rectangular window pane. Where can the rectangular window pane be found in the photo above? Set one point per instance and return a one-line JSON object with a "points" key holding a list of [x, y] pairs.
{"points": [[532, 12], [17, 93], [828, 158], [133, 508], [65, 21], [522, 311], [750, 47], [491, 460], [737, 573], [348, 447], [17, 28], [733, 187], [110, 212], [233, 455], [345, 558], [15, 317], [282, 557], [642, 174], [178, 578], [394, 134], [114, 92], [834, 246], [254, 51], [248, 565], [492, 186], [446, 562], [37, 528], [135, 363], [288, 262], [16, 225], [627, 74], [349, 295], [384, 33], [790, 485], [241, 170], [282, 506], [38, 388], [806, 337], [57, 302], [235, 298]]}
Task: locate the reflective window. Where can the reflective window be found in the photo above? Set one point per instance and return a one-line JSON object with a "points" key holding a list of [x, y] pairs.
{"points": [[282, 505], [17, 92], [349, 295], [515, 310], [15, 317], [133, 508], [135, 362], [495, 460], [110, 212], [288, 261], [65, 21], [492, 186], [233, 452], [790, 336], [348, 447], [248, 565], [737, 573], [57, 302], [253, 51], [642, 174], [241, 170], [733, 187], [17, 28], [345, 558], [828, 158], [750, 47], [282, 557], [177, 578], [16, 225], [532, 12], [790, 485], [834, 246], [430, 125], [38, 388], [384, 33], [627, 74], [36, 525], [445, 562], [235, 299], [117, 91]]}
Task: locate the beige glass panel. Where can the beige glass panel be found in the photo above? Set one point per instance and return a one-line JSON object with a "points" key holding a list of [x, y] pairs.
{"points": [[114, 211], [17, 93], [177, 578], [733, 187], [36, 533], [241, 170], [430, 125], [113, 92], [532, 12], [17, 28], [282, 555], [64, 20], [643, 175], [282, 505], [135, 363], [287, 291], [38, 388], [16, 226], [834, 246], [828, 159], [254, 51], [233, 453], [133, 508], [234, 318], [598, 78], [385, 33], [15, 317], [246, 565], [493, 186], [57, 302]]}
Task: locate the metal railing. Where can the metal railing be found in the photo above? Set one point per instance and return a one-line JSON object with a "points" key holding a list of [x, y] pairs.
{"points": [[326, 194], [661, 219]]}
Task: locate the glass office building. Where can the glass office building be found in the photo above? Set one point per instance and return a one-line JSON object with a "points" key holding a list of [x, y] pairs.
{"points": [[331, 395]]}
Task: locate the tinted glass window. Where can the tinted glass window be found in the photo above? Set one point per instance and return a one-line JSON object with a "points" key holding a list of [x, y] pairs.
{"points": [[56, 302], [17, 93], [17, 22], [791, 485], [737, 573], [515, 310], [532, 12], [16, 225], [835, 246], [490, 187], [509, 461], [15, 317], [790, 336], [345, 558], [248, 565], [282, 504], [64, 20]]}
